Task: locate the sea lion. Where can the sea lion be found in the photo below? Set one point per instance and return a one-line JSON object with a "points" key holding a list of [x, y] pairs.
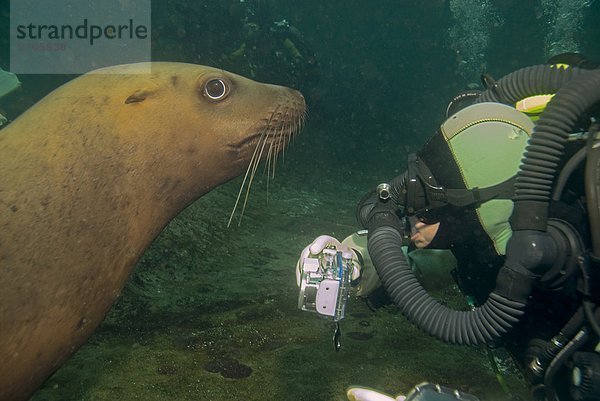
{"points": [[91, 174]]}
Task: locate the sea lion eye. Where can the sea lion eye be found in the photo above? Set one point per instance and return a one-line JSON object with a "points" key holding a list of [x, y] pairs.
{"points": [[216, 89]]}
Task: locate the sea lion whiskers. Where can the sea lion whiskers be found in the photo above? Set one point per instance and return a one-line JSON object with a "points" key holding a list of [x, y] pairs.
{"points": [[269, 132], [254, 161], [271, 162], [279, 144], [276, 146], [278, 126], [291, 125], [250, 173]]}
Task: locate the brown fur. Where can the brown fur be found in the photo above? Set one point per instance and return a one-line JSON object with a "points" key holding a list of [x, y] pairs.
{"points": [[88, 178]]}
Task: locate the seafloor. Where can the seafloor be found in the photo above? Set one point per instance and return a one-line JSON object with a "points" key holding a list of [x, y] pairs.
{"points": [[210, 312]]}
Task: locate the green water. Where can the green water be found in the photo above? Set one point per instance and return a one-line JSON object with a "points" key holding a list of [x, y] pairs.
{"points": [[377, 83]]}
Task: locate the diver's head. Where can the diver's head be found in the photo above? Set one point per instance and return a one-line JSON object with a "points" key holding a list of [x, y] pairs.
{"points": [[444, 227], [422, 233], [434, 222], [463, 177]]}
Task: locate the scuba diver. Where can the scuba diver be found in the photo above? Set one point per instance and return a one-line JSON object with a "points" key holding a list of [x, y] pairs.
{"points": [[273, 51], [515, 207]]}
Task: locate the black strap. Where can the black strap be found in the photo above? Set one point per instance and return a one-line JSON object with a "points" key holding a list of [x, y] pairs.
{"points": [[421, 185], [477, 196], [411, 184]]}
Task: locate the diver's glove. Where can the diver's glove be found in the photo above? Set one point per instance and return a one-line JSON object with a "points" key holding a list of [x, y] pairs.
{"points": [[315, 250], [421, 392], [366, 394]]}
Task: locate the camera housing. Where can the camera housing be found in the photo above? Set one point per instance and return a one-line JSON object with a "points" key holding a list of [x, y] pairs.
{"points": [[325, 283]]}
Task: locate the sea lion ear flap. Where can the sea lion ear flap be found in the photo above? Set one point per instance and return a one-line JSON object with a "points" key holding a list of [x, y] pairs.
{"points": [[138, 96]]}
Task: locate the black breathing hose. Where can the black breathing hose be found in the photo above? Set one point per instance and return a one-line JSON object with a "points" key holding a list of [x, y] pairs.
{"points": [[546, 146], [592, 192], [529, 81], [525, 263]]}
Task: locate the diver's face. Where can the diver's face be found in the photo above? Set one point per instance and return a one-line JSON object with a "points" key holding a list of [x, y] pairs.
{"points": [[423, 234]]}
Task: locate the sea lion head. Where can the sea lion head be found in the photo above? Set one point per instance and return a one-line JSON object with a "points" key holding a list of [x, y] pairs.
{"points": [[227, 113], [202, 123]]}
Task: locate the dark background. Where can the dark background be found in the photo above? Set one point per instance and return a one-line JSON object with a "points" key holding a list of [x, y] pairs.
{"points": [[379, 75]]}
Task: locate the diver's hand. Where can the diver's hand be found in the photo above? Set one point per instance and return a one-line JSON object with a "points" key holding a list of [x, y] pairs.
{"points": [[365, 394], [423, 391], [314, 250]]}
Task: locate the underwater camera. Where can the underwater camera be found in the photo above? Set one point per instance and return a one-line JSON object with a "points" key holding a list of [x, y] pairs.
{"points": [[325, 283]]}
